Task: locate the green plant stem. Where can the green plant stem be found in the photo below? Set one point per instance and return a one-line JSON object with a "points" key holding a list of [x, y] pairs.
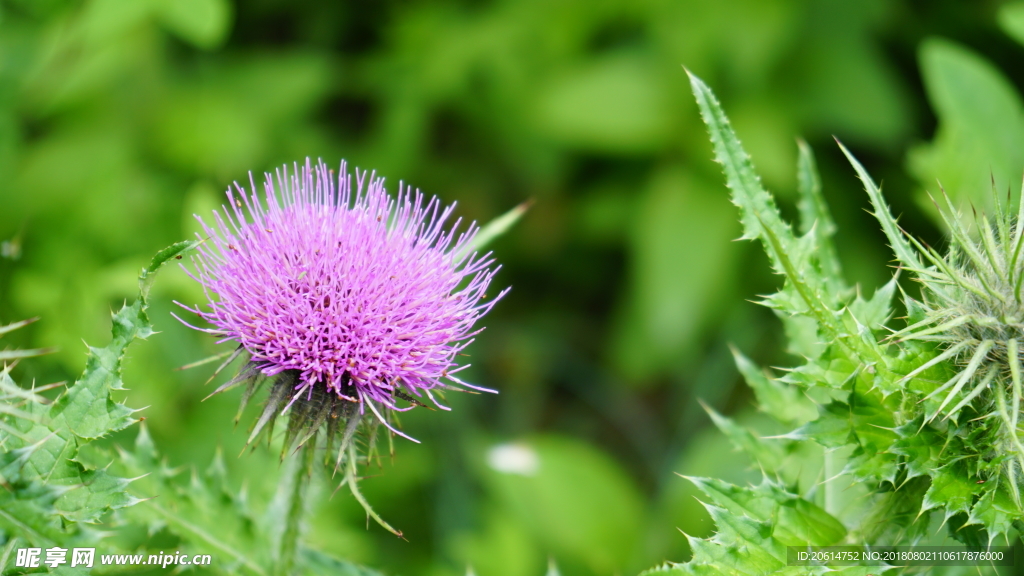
{"points": [[301, 474], [831, 494]]}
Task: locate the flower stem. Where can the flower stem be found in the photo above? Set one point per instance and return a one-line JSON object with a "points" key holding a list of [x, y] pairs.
{"points": [[301, 474]]}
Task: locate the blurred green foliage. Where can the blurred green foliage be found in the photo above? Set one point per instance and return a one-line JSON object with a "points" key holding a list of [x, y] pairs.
{"points": [[119, 119]]}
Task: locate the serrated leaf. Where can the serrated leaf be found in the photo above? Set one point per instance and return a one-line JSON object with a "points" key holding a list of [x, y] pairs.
{"points": [[87, 408], [874, 312], [52, 495], [781, 400], [757, 207], [816, 220], [761, 219], [995, 511], [207, 514], [741, 543], [905, 253], [104, 492], [797, 522], [920, 447], [832, 429], [952, 489], [752, 524], [321, 564], [768, 456]]}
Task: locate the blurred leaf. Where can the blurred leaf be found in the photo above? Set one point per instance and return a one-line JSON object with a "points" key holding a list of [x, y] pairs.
{"points": [[617, 104], [851, 87], [557, 504], [981, 125], [669, 301], [226, 123], [1011, 20], [503, 547], [202, 23]]}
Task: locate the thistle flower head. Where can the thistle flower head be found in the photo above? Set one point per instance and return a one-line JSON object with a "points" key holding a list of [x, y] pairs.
{"points": [[348, 299], [973, 309]]}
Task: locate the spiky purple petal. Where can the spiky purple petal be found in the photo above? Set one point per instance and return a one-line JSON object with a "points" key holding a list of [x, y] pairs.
{"points": [[347, 287]]}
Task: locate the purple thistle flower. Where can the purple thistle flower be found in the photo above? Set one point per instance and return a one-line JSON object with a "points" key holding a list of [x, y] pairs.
{"points": [[347, 298]]}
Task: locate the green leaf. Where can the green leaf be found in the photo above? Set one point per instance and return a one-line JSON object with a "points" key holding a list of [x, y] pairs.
{"points": [[668, 307], [980, 137], [754, 527], [832, 429], [1011, 20], [815, 217], [741, 544], [874, 313], [52, 493], [952, 489], [996, 511], [556, 500], [920, 447], [767, 455], [905, 253], [797, 522], [761, 219], [747, 546], [781, 400], [175, 251], [757, 207], [617, 103], [493, 230], [209, 515], [202, 23]]}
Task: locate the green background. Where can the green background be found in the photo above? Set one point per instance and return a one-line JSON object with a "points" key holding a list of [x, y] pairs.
{"points": [[119, 119]]}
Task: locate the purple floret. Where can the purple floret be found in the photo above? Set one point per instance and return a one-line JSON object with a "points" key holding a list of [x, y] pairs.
{"points": [[349, 288]]}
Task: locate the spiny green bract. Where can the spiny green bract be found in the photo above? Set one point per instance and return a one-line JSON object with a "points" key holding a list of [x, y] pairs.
{"points": [[972, 309], [917, 428]]}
